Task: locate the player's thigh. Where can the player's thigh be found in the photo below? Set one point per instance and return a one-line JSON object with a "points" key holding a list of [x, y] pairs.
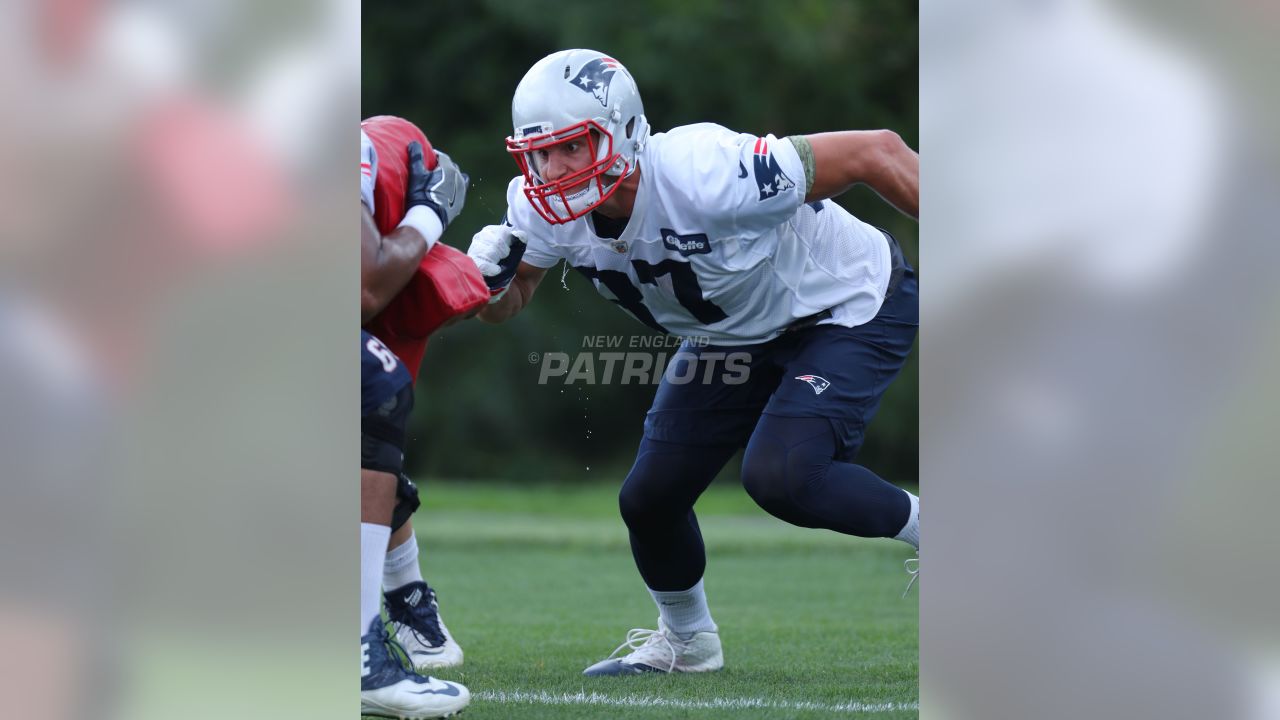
{"points": [[841, 374], [711, 396]]}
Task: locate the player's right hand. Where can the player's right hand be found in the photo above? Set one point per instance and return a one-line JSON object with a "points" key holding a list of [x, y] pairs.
{"points": [[497, 250], [444, 189]]}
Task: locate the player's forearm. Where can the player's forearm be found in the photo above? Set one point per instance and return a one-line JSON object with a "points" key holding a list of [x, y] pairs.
{"points": [[876, 158], [507, 307], [517, 296], [897, 180], [388, 268]]}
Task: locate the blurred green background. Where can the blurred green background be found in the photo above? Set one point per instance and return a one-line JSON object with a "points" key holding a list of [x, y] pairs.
{"points": [[450, 66]]}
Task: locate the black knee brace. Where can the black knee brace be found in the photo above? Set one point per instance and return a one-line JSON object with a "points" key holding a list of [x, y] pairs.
{"points": [[407, 502]]}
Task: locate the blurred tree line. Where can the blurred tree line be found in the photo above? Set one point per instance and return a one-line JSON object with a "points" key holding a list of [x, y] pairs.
{"points": [[753, 66]]}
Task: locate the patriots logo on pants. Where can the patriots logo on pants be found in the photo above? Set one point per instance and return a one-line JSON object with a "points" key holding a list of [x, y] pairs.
{"points": [[770, 179], [817, 383], [594, 78]]}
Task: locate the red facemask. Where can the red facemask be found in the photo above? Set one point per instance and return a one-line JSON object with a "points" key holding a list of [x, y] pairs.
{"points": [[576, 193]]}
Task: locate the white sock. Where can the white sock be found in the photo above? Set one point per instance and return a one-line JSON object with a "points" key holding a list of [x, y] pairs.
{"points": [[684, 612], [910, 533], [402, 565], [373, 551]]}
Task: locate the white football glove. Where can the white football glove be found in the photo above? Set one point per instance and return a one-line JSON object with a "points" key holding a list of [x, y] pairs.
{"points": [[496, 251]]}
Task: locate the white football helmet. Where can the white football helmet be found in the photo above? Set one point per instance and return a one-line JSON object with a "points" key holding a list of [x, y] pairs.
{"points": [[564, 98]]}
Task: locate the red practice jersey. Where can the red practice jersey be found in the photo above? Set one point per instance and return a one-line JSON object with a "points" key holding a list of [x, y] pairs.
{"points": [[447, 282]]}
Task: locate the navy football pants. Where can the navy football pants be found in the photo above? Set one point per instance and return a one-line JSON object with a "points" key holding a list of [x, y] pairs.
{"points": [[799, 442]]}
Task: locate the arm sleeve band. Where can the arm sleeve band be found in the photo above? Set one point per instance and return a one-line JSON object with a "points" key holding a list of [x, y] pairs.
{"points": [[805, 151]]}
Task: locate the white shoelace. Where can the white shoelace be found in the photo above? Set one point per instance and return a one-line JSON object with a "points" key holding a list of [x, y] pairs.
{"points": [[912, 566], [654, 641]]}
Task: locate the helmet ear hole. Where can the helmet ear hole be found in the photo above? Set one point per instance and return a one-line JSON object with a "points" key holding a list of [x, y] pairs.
{"points": [[631, 126]]}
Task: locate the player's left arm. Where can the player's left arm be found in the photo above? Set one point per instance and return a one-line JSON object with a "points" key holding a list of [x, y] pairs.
{"points": [[387, 263], [836, 161]]}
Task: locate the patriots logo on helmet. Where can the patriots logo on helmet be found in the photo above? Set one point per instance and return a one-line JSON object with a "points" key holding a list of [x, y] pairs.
{"points": [[594, 78], [770, 179], [817, 383]]}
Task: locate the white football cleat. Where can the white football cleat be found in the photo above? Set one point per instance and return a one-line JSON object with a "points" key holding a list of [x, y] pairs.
{"points": [[415, 621], [662, 651], [387, 689], [416, 698], [912, 566]]}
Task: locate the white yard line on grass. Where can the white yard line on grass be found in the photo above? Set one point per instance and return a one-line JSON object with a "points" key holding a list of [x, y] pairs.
{"points": [[584, 698]]}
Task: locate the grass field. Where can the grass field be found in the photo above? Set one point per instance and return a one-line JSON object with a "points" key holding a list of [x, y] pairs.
{"points": [[537, 582]]}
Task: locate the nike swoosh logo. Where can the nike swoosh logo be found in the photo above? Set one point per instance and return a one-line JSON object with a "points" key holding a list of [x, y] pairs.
{"points": [[453, 191], [449, 690]]}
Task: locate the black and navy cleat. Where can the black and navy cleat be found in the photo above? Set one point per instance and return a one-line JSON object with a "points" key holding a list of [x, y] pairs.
{"points": [[388, 689], [415, 621]]}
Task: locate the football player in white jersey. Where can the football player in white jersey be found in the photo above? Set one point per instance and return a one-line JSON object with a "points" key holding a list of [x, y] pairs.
{"points": [[729, 238]]}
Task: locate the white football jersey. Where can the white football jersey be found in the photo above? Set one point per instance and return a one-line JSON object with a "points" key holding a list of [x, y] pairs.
{"points": [[720, 243]]}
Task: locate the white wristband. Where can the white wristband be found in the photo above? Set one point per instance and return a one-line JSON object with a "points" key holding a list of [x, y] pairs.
{"points": [[426, 222]]}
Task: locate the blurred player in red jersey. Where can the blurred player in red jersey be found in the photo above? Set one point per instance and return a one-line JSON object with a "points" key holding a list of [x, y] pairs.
{"points": [[411, 284]]}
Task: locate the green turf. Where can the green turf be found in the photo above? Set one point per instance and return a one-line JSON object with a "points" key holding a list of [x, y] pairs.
{"points": [[537, 582]]}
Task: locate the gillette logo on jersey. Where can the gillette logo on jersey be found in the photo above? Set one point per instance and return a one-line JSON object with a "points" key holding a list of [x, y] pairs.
{"points": [[686, 245], [770, 179], [594, 78]]}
